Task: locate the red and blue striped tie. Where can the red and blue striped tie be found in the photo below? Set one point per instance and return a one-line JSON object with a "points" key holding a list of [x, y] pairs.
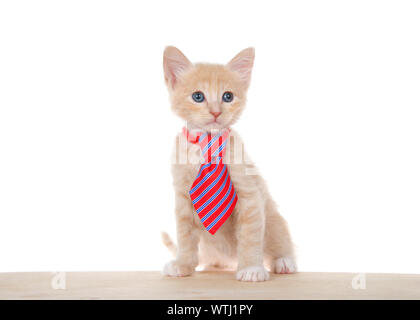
{"points": [[212, 192]]}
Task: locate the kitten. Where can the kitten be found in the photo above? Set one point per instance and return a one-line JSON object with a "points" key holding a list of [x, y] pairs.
{"points": [[255, 232]]}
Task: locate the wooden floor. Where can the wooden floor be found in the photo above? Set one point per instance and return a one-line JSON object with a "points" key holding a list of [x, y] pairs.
{"points": [[206, 285]]}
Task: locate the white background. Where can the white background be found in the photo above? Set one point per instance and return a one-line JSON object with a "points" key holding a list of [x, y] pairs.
{"points": [[86, 130]]}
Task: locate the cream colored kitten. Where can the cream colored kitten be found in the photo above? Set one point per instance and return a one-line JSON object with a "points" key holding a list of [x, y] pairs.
{"points": [[255, 232]]}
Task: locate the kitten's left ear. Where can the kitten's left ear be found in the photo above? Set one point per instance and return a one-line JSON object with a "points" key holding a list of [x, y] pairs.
{"points": [[242, 64], [174, 64]]}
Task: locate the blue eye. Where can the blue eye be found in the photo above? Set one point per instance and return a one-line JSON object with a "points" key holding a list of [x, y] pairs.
{"points": [[227, 96], [198, 96]]}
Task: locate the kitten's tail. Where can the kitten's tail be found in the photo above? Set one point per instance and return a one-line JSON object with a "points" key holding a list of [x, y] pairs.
{"points": [[167, 241]]}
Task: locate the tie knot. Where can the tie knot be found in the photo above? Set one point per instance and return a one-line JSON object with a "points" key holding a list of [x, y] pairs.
{"points": [[213, 146]]}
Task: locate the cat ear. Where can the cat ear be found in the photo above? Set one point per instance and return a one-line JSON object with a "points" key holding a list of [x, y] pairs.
{"points": [[174, 64], [242, 64]]}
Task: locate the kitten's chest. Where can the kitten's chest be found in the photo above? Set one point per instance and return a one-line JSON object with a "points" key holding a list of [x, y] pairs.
{"points": [[196, 160], [189, 159], [195, 157]]}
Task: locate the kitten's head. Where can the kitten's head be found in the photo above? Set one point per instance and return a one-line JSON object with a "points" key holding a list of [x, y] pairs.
{"points": [[207, 96]]}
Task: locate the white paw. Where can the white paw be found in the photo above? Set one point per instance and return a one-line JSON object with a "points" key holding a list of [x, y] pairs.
{"points": [[255, 273], [285, 265], [174, 269]]}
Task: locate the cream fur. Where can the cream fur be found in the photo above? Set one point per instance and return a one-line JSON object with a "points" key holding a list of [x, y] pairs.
{"points": [[255, 232]]}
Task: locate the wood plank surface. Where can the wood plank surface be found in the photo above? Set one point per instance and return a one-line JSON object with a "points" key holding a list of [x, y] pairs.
{"points": [[206, 285]]}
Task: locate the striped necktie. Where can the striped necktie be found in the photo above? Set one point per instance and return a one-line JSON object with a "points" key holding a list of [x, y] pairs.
{"points": [[212, 192]]}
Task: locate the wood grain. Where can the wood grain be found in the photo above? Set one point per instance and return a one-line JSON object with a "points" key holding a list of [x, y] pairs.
{"points": [[206, 285]]}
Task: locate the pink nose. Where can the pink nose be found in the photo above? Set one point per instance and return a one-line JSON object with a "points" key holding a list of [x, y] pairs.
{"points": [[216, 114]]}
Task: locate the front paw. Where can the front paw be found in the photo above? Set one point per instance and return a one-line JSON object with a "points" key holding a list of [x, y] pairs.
{"points": [[285, 265], [176, 269], [254, 273]]}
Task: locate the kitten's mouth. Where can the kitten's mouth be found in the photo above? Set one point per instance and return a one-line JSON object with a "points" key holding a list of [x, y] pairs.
{"points": [[215, 121], [214, 125]]}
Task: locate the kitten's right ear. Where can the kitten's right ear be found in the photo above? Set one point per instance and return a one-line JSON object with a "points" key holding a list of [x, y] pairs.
{"points": [[242, 64], [174, 64]]}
